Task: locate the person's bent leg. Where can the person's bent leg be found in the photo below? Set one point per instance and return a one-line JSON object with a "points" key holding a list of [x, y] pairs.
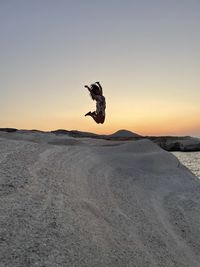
{"points": [[98, 118], [95, 117], [88, 114]]}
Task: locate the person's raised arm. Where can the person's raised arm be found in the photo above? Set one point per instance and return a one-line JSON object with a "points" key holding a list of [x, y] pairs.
{"points": [[101, 89], [86, 86], [91, 93]]}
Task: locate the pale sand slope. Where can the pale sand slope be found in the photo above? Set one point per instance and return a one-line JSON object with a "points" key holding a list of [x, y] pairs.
{"points": [[92, 204]]}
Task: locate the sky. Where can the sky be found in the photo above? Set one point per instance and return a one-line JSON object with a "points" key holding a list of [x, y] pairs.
{"points": [[145, 54]]}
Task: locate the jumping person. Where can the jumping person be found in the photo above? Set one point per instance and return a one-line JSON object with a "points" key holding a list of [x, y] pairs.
{"points": [[96, 93]]}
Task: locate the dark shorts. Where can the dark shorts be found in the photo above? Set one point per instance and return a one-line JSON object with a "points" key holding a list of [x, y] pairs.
{"points": [[101, 117]]}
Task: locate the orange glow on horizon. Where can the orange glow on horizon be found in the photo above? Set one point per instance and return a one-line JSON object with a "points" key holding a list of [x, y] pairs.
{"points": [[142, 116], [144, 128]]}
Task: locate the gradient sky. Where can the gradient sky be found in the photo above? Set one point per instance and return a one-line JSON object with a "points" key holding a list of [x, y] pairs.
{"points": [[145, 54]]}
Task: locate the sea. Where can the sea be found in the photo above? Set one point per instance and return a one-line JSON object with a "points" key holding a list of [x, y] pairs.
{"points": [[191, 160]]}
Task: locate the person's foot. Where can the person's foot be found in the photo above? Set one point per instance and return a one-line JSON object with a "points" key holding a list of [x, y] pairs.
{"points": [[88, 114]]}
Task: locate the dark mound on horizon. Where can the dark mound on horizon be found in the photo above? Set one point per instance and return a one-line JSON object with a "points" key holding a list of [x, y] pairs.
{"points": [[8, 130], [124, 134]]}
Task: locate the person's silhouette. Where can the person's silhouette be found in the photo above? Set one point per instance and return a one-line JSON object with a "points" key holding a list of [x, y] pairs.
{"points": [[96, 93]]}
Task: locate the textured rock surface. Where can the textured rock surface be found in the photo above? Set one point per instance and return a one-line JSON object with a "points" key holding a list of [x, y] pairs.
{"points": [[86, 202]]}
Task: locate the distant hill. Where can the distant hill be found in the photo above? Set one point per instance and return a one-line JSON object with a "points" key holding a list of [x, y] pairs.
{"points": [[124, 134], [8, 130]]}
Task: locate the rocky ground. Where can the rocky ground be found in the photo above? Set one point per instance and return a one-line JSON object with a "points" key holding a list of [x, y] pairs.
{"points": [[68, 201]]}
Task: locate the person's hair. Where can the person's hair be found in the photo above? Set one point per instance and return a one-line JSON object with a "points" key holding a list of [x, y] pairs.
{"points": [[95, 90]]}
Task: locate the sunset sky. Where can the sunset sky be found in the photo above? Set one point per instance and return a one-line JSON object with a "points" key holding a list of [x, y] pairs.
{"points": [[146, 54]]}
